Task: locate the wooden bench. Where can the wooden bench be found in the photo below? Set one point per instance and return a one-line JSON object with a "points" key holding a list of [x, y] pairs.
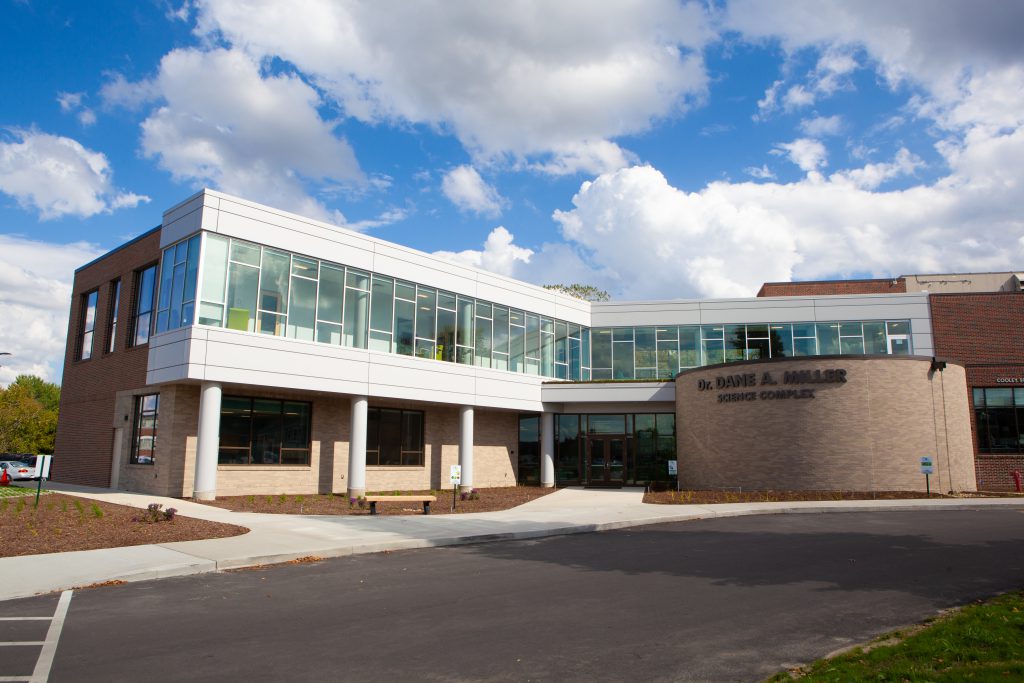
{"points": [[426, 500]]}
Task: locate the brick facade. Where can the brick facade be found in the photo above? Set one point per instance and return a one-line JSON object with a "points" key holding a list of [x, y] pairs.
{"points": [[832, 287], [866, 433], [85, 437], [985, 332]]}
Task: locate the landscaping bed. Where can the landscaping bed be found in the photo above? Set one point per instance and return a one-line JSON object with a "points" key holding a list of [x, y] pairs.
{"points": [[486, 500], [64, 523]]}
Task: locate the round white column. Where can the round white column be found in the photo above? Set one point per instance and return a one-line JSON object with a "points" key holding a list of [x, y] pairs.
{"points": [[207, 442], [466, 446], [547, 450], [357, 448]]}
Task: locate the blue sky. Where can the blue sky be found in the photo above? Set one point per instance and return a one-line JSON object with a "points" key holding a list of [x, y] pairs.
{"points": [[658, 149]]}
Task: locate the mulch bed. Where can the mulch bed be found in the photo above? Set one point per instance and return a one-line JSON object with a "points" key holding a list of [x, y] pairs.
{"points": [[688, 497], [63, 523], [490, 500]]}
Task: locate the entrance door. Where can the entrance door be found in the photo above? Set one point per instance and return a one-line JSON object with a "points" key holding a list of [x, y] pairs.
{"points": [[899, 345], [606, 459]]}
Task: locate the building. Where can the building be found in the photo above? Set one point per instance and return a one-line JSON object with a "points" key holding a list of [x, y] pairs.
{"points": [[239, 349]]}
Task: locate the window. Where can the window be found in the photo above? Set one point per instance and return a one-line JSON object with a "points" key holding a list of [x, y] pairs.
{"points": [[999, 415], [145, 290], [144, 435], [115, 296], [87, 326], [394, 437], [262, 431], [176, 306]]}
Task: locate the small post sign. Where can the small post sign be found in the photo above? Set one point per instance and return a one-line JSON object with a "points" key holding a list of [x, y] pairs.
{"points": [[43, 463], [927, 469], [673, 469], [456, 476]]}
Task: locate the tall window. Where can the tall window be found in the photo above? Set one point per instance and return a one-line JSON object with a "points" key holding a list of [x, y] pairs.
{"points": [[263, 431], [394, 437], [999, 415], [115, 297], [88, 325], [144, 436], [145, 290]]}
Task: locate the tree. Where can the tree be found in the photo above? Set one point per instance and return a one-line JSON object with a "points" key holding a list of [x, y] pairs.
{"points": [[581, 291], [28, 415]]}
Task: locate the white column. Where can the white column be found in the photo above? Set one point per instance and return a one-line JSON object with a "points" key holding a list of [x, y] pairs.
{"points": [[466, 446], [547, 450], [357, 448], [208, 442]]}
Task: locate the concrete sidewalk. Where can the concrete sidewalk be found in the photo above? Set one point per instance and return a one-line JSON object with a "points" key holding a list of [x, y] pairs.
{"points": [[280, 538]]}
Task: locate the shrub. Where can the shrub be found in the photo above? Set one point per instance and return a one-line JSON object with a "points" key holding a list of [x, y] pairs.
{"points": [[155, 513], [97, 511]]}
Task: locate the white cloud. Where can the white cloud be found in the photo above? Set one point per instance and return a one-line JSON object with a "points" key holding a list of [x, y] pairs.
{"points": [[225, 124], [806, 153], [464, 187], [57, 176], [71, 103], [499, 254], [644, 238], [796, 97], [35, 294], [820, 126], [536, 81], [908, 40], [762, 173]]}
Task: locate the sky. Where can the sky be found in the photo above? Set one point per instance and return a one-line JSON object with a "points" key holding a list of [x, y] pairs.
{"points": [[655, 148]]}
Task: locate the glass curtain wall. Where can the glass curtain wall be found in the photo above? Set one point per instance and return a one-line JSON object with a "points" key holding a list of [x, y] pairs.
{"points": [[999, 414], [258, 289], [661, 352]]}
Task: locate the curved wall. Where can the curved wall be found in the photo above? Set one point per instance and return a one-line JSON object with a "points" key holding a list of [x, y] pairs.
{"points": [[830, 422]]}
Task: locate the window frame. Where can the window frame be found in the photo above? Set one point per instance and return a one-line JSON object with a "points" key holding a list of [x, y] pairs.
{"points": [[252, 439], [140, 412], [133, 336], [373, 448], [87, 325], [113, 310]]}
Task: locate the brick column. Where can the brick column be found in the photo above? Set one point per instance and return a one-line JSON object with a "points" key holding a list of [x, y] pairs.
{"points": [[357, 448], [547, 450], [466, 446], [208, 442]]}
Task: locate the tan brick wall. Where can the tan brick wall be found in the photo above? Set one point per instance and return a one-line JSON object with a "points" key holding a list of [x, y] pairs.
{"points": [[867, 433], [495, 434]]}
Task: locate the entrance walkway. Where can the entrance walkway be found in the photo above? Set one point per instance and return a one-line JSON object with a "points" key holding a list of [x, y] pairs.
{"points": [[281, 538]]}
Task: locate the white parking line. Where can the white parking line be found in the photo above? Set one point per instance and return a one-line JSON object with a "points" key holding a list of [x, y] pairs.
{"points": [[45, 661]]}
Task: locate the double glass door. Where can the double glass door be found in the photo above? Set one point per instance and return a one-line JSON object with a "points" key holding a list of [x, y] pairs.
{"points": [[606, 459]]}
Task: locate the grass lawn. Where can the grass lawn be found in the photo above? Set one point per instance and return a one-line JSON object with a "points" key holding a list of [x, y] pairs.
{"points": [[980, 642]]}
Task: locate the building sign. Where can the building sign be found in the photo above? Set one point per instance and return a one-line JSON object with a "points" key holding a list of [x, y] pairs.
{"points": [[770, 386], [1009, 380]]}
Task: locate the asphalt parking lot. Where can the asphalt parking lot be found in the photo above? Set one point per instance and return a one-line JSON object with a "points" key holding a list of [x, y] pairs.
{"points": [[714, 600]]}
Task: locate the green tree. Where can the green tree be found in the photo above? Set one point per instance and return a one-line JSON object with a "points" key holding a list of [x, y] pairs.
{"points": [[28, 415], [581, 291]]}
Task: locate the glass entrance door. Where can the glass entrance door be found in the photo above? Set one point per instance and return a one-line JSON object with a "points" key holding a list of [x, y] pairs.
{"points": [[606, 459]]}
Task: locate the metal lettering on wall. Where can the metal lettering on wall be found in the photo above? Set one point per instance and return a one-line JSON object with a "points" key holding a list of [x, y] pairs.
{"points": [[750, 380], [1009, 380]]}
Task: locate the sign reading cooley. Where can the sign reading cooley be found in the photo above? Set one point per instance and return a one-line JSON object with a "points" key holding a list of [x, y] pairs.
{"points": [[750, 380]]}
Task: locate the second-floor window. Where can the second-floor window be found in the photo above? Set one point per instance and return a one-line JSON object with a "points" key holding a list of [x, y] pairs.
{"points": [[145, 291], [88, 325], [115, 296]]}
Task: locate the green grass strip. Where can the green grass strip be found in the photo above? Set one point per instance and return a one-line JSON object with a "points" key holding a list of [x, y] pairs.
{"points": [[981, 642], [15, 491]]}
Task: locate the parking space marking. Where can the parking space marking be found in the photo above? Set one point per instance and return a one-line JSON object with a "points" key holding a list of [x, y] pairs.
{"points": [[15, 643], [45, 661]]}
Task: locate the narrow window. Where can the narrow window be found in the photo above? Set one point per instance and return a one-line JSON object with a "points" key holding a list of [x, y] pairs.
{"points": [[144, 437], [115, 297], [145, 289], [88, 325]]}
